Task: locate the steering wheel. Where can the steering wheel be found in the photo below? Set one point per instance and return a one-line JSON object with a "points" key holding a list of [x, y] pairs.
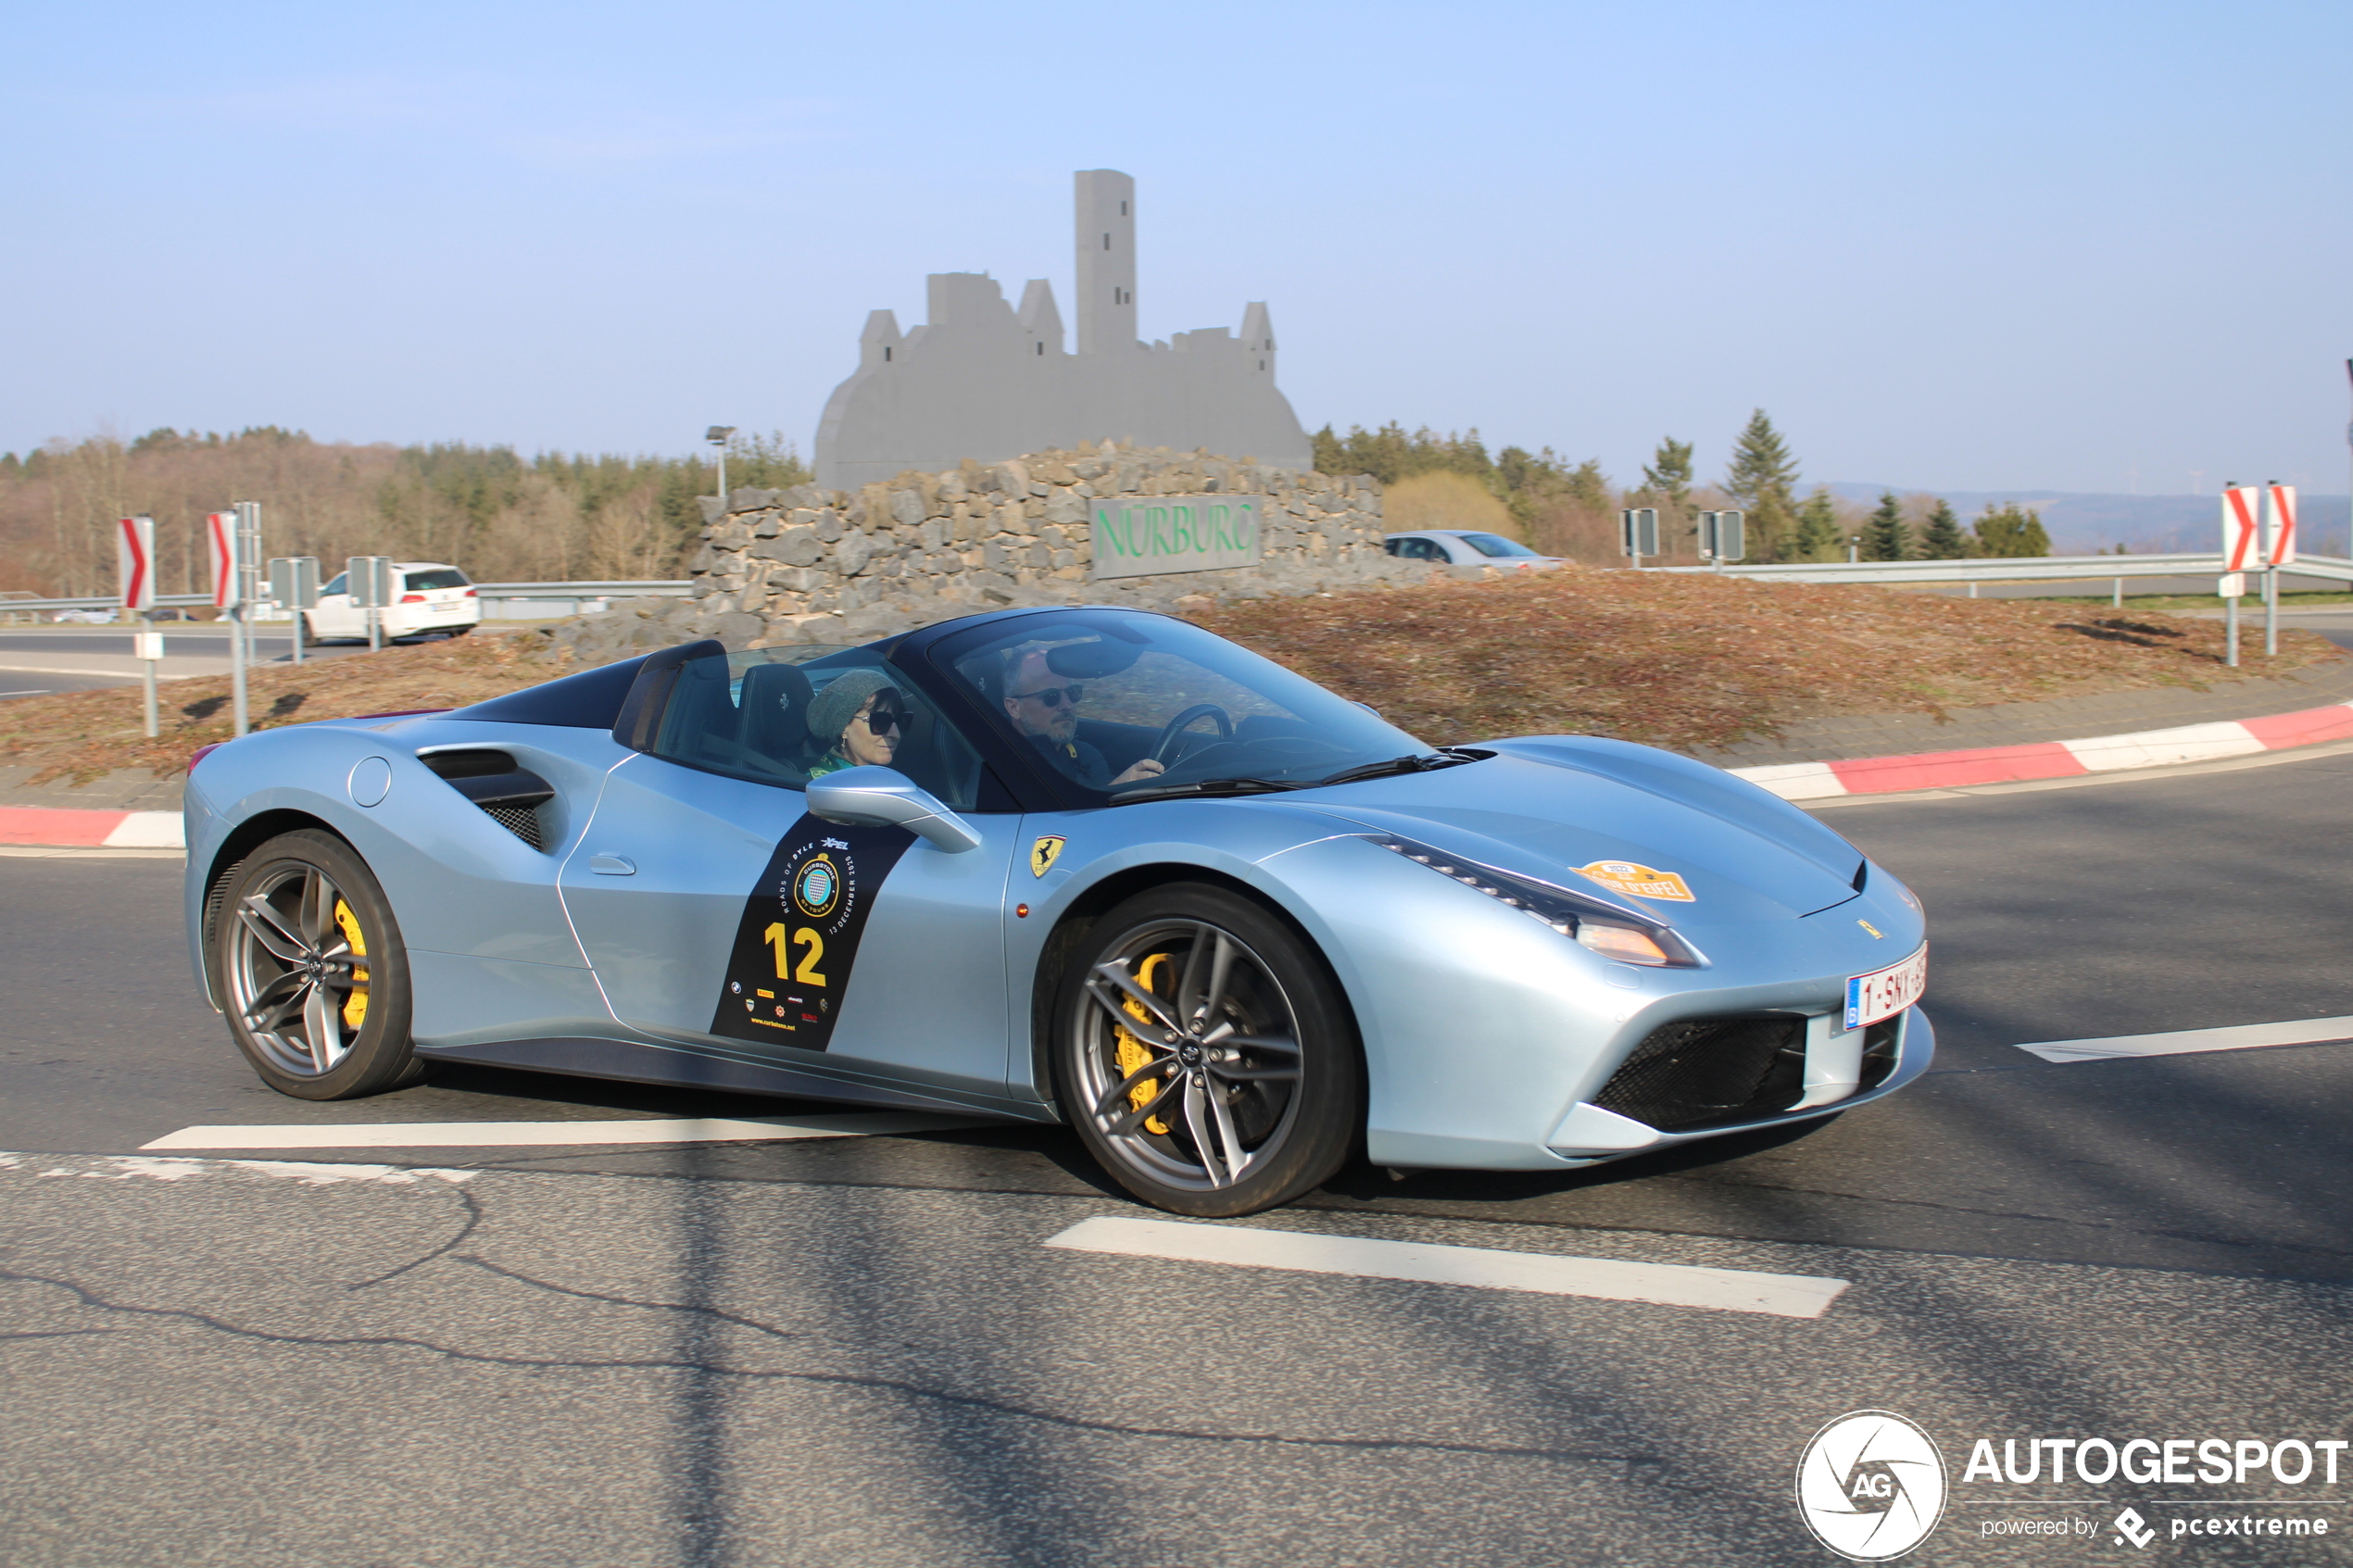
{"points": [[1163, 749]]}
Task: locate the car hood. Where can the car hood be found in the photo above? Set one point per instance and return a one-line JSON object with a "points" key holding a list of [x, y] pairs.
{"points": [[1550, 807]]}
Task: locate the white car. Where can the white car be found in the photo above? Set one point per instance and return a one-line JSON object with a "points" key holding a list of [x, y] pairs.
{"points": [[1462, 547], [427, 596]]}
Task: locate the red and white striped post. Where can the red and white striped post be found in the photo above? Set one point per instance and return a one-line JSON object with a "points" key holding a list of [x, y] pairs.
{"points": [[136, 581], [2242, 552]]}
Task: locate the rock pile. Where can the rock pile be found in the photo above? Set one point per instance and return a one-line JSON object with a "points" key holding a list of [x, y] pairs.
{"points": [[807, 565]]}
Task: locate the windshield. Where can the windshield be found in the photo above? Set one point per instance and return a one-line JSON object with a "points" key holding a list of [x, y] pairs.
{"points": [[1117, 704], [1496, 544]]}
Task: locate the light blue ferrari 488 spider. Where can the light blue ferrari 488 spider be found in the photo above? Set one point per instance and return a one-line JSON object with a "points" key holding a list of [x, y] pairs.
{"points": [[1081, 865]]}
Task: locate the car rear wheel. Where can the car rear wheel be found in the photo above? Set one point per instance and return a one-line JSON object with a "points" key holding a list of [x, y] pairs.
{"points": [[1205, 1056], [309, 969], [306, 631]]}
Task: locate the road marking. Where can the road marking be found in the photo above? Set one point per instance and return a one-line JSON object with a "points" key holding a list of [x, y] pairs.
{"points": [[79, 671], [2185, 1042], [515, 1135], [1481, 1267], [74, 852]]}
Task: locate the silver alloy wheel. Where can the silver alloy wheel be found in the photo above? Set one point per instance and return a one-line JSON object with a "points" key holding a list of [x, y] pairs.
{"points": [[1217, 1090], [292, 971]]}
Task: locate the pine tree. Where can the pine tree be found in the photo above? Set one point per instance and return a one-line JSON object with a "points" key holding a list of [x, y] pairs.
{"points": [[1943, 539], [1762, 477], [2010, 530], [1816, 536], [1885, 537], [1668, 473]]}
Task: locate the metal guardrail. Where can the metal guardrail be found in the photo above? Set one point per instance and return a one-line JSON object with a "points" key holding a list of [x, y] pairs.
{"points": [[524, 593], [2016, 569]]}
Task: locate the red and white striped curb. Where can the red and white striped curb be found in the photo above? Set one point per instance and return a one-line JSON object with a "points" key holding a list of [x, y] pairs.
{"points": [[73, 827], [2052, 760]]}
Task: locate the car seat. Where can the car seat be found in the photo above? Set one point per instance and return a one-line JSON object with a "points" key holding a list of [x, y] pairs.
{"points": [[775, 719]]}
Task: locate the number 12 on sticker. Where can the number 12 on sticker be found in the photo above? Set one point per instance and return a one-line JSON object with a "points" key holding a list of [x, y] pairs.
{"points": [[806, 936]]}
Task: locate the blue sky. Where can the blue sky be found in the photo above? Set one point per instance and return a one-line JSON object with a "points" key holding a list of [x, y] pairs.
{"points": [[1970, 247]]}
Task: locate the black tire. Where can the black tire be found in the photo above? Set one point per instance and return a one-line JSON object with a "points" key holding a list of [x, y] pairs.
{"points": [[458, 631], [310, 972], [302, 621], [1260, 1080]]}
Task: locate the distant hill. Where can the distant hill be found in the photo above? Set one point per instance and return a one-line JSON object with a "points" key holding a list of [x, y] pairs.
{"points": [[2083, 523]]}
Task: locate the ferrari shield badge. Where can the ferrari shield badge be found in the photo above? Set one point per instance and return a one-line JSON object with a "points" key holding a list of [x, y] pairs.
{"points": [[1625, 876], [800, 933], [1043, 853]]}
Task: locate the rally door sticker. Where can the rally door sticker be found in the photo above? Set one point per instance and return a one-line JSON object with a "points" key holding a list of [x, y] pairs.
{"points": [[800, 933]]}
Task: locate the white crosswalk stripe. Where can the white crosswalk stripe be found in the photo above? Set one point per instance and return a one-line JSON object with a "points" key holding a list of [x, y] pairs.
{"points": [[1480, 1268], [2184, 1042], [514, 1134]]}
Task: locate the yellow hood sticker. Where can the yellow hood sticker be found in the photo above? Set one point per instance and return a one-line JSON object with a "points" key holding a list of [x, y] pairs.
{"points": [[1625, 876], [1042, 854]]}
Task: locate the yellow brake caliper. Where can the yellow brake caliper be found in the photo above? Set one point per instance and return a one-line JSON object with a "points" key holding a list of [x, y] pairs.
{"points": [[1133, 1053], [355, 1009]]}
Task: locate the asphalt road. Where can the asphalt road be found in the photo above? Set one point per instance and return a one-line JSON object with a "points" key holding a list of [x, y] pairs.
{"points": [[860, 1350], [34, 661]]}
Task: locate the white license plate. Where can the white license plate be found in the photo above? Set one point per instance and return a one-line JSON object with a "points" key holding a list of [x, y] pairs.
{"points": [[1886, 992]]}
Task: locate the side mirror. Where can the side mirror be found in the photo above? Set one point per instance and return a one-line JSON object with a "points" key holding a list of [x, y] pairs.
{"points": [[875, 797]]}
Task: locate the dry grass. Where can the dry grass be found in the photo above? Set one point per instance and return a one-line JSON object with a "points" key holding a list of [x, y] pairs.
{"points": [[1688, 662], [1695, 662]]}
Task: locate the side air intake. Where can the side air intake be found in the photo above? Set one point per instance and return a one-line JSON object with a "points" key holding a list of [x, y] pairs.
{"points": [[509, 792]]}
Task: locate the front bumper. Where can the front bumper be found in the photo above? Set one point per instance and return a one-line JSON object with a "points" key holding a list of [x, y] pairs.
{"points": [[1589, 1133]]}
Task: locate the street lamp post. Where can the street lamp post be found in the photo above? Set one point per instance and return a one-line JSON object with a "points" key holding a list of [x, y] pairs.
{"points": [[717, 435]]}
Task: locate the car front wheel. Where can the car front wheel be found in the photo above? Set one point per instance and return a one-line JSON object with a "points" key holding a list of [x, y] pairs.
{"points": [[308, 966], [1205, 1055]]}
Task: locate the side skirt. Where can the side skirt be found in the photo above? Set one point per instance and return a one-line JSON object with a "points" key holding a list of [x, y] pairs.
{"points": [[639, 1062]]}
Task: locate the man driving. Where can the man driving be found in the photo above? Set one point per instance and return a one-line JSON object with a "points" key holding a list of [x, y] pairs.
{"points": [[1044, 706]]}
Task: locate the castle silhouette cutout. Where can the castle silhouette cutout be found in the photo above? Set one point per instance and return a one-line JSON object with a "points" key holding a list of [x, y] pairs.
{"points": [[983, 380]]}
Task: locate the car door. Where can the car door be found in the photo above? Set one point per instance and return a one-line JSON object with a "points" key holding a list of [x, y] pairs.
{"points": [[721, 916], [334, 616]]}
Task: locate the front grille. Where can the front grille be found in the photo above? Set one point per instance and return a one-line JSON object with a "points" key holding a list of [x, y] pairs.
{"points": [[521, 820], [1709, 1070]]}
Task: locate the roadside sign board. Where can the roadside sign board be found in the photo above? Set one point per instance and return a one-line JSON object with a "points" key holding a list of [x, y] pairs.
{"points": [[1639, 528], [2231, 586], [2279, 525], [135, 564], [220, 540], [368, 580], [293, 581], [1723, 536], [2242, 528]]}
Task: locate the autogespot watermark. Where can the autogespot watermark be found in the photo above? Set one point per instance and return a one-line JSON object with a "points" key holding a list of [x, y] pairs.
{"points": [[1872, 1485]]}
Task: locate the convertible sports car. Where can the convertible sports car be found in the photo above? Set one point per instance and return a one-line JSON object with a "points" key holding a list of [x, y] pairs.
{"points": [[1086, 865]]}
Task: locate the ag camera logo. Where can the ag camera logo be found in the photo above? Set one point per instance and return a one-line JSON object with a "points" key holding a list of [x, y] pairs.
{"points": [[1870, 1485]]}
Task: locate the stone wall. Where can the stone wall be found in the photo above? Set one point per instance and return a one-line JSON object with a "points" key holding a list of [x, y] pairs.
{"points": [[809, 565]]}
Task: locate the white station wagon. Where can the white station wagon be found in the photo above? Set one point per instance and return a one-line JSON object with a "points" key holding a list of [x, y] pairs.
{"points": [[428, 596]]}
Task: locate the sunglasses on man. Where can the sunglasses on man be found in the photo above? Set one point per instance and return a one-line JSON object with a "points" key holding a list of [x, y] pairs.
{"points": [[1053, 697]]}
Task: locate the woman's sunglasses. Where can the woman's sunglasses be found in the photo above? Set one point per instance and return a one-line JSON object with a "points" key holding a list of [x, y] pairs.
{"points": [[882, 720], [1052, 696]]}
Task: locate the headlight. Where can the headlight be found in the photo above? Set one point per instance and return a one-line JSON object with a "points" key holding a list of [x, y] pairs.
{"points": [[1614, 931]]}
